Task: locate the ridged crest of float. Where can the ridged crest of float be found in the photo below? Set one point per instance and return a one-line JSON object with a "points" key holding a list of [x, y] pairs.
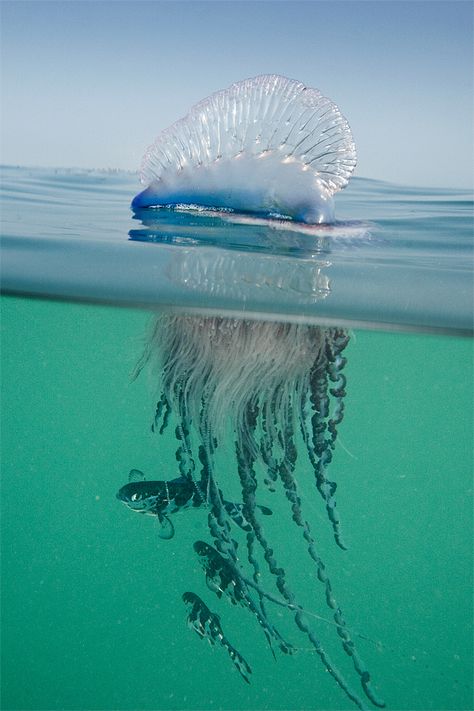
{"points": [[268, 145]]}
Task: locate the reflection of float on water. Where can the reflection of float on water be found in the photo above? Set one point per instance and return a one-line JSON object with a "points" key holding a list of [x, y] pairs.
{"points": [[240, 259]]}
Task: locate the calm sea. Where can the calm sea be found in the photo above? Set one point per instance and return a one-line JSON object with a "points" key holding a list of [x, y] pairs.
{"points": [[92, 616]]}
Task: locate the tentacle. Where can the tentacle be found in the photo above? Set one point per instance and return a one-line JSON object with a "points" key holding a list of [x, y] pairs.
{"points": [[318, 445], [250, 539], [267, 455], [249, 485], [336, 362], [197, 385], [289, 483], [162, 414], [225, 577], [267, 440], [221, 532], [184, 454], [218, 516]]}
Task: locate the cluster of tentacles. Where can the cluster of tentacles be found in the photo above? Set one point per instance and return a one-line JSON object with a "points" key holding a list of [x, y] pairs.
{"points": [[262, 382]]}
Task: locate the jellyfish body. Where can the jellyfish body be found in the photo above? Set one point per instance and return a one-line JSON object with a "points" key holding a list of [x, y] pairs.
{"points": [[266, 146]]}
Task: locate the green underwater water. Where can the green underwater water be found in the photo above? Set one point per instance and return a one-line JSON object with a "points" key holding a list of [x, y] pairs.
{"points": [[92, 616]]}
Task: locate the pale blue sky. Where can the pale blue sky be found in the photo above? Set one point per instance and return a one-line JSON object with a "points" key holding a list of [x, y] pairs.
{"points": [[91, 83]]}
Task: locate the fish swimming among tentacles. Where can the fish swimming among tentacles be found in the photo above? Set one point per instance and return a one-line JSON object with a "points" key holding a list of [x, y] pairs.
{"points": [[221, 575], [159, 498], [224, 578], [163, 498], [207, 624], [269, 147]]}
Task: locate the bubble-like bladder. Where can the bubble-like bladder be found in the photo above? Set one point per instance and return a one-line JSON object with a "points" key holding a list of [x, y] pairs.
{"points": [[273, 148]]}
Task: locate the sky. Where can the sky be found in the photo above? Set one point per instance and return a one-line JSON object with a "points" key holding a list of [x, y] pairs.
{"points": [[87, 83]]}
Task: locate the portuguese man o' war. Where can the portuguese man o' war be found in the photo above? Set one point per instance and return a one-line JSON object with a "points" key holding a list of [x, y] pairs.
{"points": [[270, 148]]}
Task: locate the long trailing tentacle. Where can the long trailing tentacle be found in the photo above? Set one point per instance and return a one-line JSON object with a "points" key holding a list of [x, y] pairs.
{"points": [[223, 577], [218, 516], [184, 454], [250, 539], [162, 414], [266, 451], [249, 485], [289, 483], [267, 440], [327, 366], [218, 519], [220, 530], [335, 344]]}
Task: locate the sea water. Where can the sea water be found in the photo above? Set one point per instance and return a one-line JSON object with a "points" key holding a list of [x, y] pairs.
{"points": [[92, 616]]}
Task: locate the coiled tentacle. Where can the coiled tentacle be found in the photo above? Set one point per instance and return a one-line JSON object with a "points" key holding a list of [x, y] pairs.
{"points": [[335, 344], [184, 453], [318, 445], [162, 414], [286, 472], [220, 530], [249, 485], [267, 443]]}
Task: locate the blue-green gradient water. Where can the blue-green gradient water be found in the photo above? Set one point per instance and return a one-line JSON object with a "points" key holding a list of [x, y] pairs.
{"points": [[92, 616]]}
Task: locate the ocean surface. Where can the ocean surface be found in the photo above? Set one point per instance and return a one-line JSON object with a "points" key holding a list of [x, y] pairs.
{"points": [[92, 615]]}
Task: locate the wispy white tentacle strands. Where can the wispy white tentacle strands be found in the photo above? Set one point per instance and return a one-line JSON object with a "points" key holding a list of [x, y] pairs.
{"points": [[268, 145], [257, 380]]}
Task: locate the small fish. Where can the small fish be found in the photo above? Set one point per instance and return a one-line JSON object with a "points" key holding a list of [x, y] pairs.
{"points": [[163, 498], [220, 575], [208, 626], [235, 512], [222, 578], [160, 498]]}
